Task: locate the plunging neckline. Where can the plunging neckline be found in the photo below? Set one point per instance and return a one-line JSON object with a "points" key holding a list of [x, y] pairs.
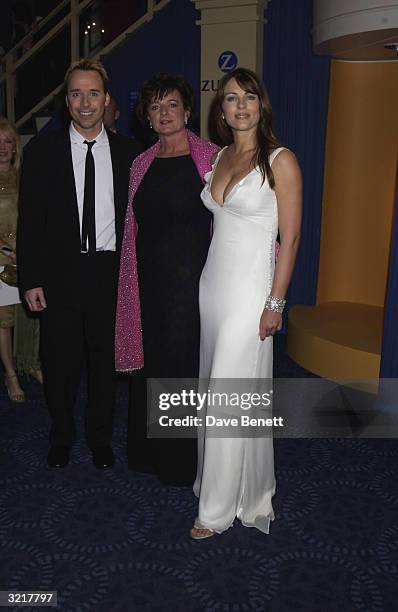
{"points": [[233, 188]]}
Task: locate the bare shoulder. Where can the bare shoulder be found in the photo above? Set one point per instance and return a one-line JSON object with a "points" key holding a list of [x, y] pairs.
{"points": [[286, 166], [223, 154], [285, 159]]}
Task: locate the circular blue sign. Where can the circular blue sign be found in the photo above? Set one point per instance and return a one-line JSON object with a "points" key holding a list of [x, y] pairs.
{"points": [[227, 61]]}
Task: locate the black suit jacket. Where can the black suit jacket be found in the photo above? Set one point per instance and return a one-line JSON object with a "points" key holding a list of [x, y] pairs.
{"points": [[48, 236]]}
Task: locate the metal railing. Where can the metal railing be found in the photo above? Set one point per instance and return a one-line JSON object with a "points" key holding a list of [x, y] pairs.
{"points": [[70, 30]]}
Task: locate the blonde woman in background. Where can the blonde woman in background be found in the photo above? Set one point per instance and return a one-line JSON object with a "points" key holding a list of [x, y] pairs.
{"points": [[27, 332]]}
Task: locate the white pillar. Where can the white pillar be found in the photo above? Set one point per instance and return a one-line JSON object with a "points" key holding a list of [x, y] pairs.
{"points": [[231, 34]]}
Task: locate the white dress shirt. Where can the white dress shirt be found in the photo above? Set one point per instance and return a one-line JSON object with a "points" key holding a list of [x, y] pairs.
{"points": [[104, 198]]}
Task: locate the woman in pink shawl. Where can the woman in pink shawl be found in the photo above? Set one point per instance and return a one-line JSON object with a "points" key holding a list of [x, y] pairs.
{"points": [[166, 239]]}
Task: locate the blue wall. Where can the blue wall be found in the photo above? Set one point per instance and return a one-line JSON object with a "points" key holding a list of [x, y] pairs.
{"points": [[168, 43], [298, 85]]}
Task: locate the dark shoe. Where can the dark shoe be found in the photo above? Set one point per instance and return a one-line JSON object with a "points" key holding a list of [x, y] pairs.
{"points": [[58, 456], [139, 461], [103, 457], [143, 468]]}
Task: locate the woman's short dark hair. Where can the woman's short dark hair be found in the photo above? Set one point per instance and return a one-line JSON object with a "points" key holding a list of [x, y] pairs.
{"points": [[160, 85], [266, 139]]}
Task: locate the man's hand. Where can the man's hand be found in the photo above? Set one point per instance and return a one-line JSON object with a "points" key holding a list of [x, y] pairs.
{"points": [[35, 299]]}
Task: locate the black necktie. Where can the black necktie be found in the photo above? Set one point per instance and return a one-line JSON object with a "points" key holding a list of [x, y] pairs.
{"points": [[88, 223]]}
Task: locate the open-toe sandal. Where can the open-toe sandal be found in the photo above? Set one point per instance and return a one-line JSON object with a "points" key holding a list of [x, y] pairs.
{"points": [[201, 533], [17, 396]]}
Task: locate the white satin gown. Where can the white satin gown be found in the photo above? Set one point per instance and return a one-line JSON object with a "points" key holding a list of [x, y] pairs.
{"points": [[235, 476]]}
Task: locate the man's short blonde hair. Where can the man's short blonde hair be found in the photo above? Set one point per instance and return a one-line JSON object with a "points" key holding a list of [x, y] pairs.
{"points": [[87, 64]]}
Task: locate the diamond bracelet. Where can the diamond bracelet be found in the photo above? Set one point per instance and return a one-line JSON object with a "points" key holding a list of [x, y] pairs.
{"points": [[275, 304]]}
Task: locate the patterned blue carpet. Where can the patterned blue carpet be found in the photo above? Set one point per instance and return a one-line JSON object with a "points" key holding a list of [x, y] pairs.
{"points": [[117, 541]]}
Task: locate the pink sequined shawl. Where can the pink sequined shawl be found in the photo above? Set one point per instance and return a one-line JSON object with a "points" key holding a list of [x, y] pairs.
{"points": [[129, 354]]}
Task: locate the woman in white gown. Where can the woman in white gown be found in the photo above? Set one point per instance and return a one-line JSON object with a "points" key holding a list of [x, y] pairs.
{"points": [[254, 188]]}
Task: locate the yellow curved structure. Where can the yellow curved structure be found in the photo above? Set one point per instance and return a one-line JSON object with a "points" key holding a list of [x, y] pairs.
{"points": [[341, 336]]}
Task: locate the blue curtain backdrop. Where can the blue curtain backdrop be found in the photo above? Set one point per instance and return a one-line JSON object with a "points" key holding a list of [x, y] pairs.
{"points": [[389, 353], [168, 43], [298, 84]]}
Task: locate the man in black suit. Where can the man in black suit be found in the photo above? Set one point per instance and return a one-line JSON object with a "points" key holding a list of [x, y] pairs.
{"points": [[73, 198]]}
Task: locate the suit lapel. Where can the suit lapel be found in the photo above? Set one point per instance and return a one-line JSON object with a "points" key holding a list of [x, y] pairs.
{"points": [[67, 182]]}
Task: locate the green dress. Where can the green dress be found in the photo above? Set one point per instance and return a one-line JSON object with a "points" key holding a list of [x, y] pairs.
{"points": [[26, 326], [26, 340], [8, 228]]}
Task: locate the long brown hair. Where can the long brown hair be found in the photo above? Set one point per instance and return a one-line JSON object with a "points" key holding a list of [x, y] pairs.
{"points": [[266, 139]]}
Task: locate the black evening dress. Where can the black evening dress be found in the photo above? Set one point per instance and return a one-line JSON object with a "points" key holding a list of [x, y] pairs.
{"points": [[172, 243]]}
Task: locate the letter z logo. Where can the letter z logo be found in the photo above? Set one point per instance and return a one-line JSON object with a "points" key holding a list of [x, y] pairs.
{"points": [[227, 61]]}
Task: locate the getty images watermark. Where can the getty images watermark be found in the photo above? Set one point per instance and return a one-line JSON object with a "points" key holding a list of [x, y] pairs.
{"points": [[223, 407], [219, 401], [281, 407]]}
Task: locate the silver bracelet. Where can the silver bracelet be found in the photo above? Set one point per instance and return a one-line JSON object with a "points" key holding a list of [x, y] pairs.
{"points": [[275, 304]]}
